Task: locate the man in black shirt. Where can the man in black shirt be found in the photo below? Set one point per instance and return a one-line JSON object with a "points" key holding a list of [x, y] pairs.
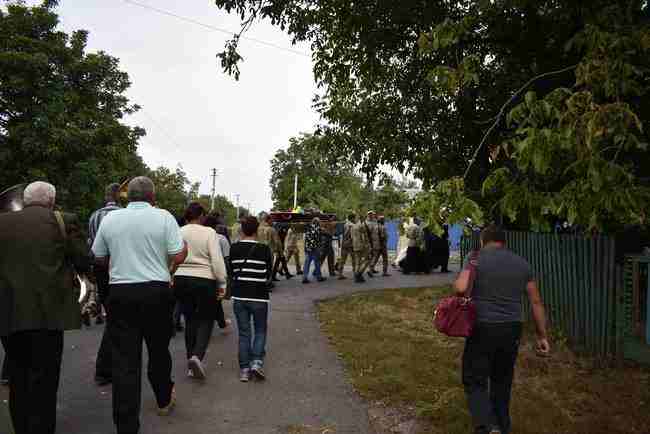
{"points": [[251, 263]]}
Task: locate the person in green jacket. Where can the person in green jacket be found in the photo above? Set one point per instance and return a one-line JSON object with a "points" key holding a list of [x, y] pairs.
{"points": [[40, 249]]}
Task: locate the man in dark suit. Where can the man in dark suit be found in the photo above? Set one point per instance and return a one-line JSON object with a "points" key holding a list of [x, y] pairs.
{"points": [[37, 302]]}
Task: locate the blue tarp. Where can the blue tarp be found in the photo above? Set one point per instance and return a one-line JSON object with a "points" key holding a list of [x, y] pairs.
{"points": [[455, 234], [392, 227]]}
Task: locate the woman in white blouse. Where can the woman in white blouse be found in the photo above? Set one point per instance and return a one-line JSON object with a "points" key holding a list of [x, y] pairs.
{"points": [[198, 285]]}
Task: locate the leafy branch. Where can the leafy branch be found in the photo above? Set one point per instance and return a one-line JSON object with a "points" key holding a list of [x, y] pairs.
{"points": [[505, 107]]}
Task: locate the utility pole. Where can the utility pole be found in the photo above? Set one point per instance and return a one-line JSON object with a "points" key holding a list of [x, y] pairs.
{"points": [[237, 196], [214, 187], [295, 192]]}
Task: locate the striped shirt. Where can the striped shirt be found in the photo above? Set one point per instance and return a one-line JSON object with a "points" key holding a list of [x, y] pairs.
{"points": [[96, 220], [251, 265]]}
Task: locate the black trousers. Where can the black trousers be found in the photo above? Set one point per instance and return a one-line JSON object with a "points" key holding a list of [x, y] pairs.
{"points": [[488, 369], [221, 315], [103, 364], [197, 298], [35, 367], [280, 264], [5, 363], [136, 313], [328, 254]]}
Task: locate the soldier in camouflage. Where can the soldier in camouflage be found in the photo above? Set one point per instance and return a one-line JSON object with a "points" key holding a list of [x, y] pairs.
{"points": [[361, 246], [375, 242], [382, 251], [265, 231], [292, 248], [347, 247]]}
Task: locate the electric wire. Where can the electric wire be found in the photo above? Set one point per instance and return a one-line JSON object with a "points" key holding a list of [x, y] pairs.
{"points": [[214, 28]]}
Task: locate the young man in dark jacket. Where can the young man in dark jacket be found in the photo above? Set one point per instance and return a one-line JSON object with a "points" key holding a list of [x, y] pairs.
{"points": [[312, 251], [251, 263]]}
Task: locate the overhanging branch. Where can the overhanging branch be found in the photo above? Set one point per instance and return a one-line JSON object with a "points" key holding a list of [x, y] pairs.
{"points": [[505, 106]]}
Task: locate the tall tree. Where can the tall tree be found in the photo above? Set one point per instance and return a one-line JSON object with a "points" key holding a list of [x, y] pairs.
{"points": [[330, 184], [222, 205], [174, 191], [425, 86], [317, 173], [61, 109]]}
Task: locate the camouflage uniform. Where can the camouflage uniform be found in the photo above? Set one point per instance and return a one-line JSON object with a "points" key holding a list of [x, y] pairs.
{"points": [[347, 249], [375, 243], [265, 235], [361, 246], [292, 248], [382, 251]]}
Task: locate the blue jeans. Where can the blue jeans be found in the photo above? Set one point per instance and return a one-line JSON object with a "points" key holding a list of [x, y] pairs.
{"points": [[251, 348], [309, 258]]}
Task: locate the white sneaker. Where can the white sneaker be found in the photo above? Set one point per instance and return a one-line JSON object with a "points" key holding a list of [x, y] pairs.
{"points": [[195, 365]]}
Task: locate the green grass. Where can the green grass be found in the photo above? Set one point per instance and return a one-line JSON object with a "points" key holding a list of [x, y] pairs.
{"points": [[393, 355]]}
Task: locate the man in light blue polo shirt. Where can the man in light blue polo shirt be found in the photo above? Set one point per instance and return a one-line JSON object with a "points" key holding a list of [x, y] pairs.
{"points": [[142, 246]]}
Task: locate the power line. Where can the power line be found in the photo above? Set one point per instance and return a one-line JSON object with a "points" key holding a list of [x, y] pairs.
{"points": [[214, 28], [166, 134]]}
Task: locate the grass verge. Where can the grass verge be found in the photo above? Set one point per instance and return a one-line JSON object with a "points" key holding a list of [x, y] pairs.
{"points": [[394, 356]]}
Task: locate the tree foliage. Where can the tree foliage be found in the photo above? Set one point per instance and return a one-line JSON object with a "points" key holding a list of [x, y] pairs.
{"points": [[61, 110], [447, 203], [174, 191], [545, 99], [223, 206], [580, 153], [329, 183]]}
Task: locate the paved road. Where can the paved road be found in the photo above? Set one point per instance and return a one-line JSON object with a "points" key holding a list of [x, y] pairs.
{"points": [[306, 384]]}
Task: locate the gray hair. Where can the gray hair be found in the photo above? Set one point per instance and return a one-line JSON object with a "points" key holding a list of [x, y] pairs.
{"points": [[40, 193], [315, 221], [141, 189]]}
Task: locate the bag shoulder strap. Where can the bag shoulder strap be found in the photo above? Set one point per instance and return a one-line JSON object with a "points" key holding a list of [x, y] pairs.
{"points": [[59, 220], [471, 267]]}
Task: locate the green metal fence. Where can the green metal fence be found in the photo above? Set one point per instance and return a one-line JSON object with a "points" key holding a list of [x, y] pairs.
{"points": [[633, 310], [579, 281]]}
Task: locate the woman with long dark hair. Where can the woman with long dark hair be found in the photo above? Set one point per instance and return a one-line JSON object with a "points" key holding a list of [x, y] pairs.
{"points": [[199, 283]]}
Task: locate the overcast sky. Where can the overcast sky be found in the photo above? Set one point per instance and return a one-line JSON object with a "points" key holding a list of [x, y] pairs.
{"points": [[195, 115]]}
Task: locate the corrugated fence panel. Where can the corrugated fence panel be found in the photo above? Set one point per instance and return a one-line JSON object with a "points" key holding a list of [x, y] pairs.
{"points": [[578, 279]]}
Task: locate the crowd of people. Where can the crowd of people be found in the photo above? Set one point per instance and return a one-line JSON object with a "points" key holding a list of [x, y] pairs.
{"points": [[364, 240], [425, 250], [146, 267]]}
